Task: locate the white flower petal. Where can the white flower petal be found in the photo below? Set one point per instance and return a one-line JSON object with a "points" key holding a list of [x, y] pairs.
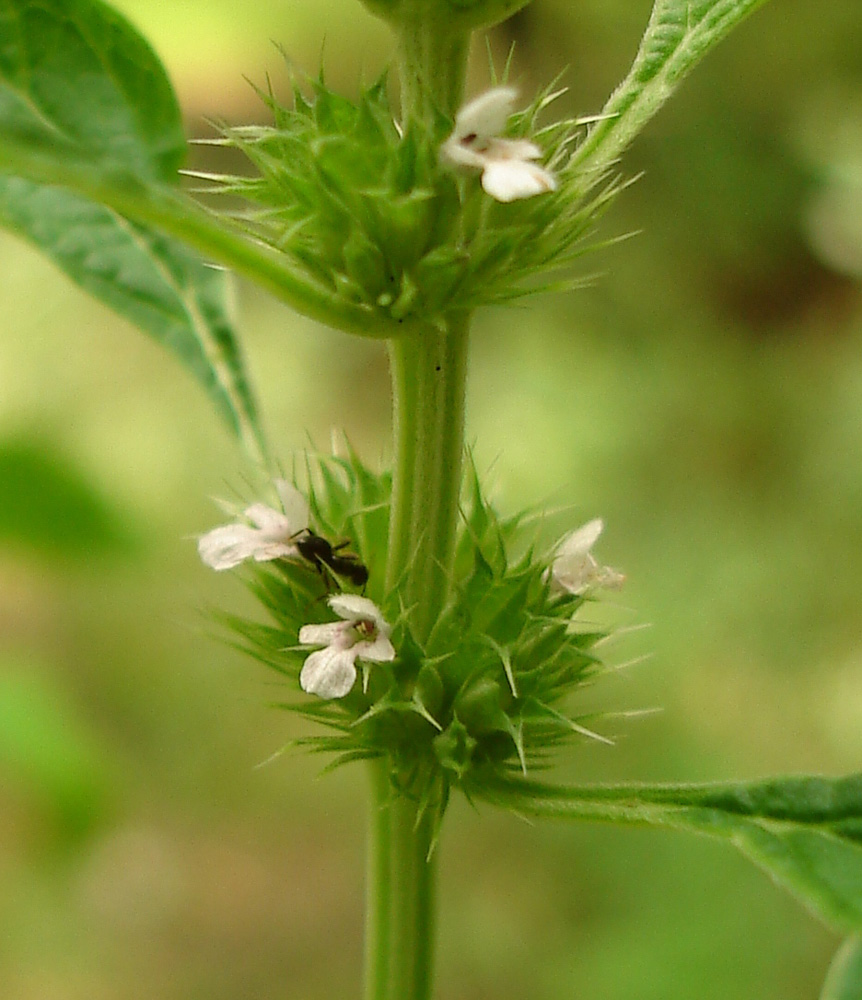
{"points": [[510, 180], [486, 115], [295, 505], [575, 569], [609, 578], [455, 152], [267, 550], [272, 522], [508, 172], [512, 149], [577, 544], [380, 650], [576, 578], [321, 635], [329, 673], [228, 546], [270, 538], [352, 607]]}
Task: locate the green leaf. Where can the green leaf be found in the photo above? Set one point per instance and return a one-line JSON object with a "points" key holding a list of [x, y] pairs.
{"points": [[806, 832], [151, 280], [678, 36], [168, 210], [77, 75], [844, 981], [78, 84]]}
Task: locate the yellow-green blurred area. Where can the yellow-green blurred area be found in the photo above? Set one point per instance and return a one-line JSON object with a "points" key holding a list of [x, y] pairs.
{"points": [[703, 394]]}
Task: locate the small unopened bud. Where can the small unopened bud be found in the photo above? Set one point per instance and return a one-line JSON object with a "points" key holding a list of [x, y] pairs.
{"points": [[480, 707]]}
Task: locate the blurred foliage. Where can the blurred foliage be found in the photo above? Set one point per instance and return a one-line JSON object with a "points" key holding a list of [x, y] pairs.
{"points": [[47, 506], [704, 395], [47, 755]]}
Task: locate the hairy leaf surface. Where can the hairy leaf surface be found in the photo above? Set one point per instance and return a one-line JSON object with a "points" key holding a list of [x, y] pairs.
{"points": [[678, 36], [78, 84], [805, 831]]}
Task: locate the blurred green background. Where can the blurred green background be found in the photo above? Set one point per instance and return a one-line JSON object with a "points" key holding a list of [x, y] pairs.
{"points": [[704, 395]]}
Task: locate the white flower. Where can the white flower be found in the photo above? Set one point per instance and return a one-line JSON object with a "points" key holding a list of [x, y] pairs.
{"points": [[362, 634], [508, 172], [269, 536], [575, 569]]}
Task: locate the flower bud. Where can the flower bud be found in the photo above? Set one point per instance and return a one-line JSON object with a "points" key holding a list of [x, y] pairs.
{"points": [[429, 690], [480, 707], [454, 748]]}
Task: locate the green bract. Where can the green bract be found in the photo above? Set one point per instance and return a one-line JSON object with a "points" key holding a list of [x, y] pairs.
{"points": [[485, 695], [369, 212]]}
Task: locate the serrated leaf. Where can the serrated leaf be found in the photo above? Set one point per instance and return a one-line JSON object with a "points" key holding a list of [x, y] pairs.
{"points": [[844, 981], [75, 73], [679, 34], [806, 832], [153, 281], [78, 82]]}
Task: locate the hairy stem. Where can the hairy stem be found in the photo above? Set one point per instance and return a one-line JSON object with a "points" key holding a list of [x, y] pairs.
{"points": [[378, 915], [429, 374], [399, 942], [432, 61], [413, 902], [429, 381]]}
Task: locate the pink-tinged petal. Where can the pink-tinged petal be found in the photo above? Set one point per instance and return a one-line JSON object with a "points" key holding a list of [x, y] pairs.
{"points": [[329, 673], [295, 505], [228, 546], [511, 180], [456, 153], [379, 650], [325, 634]]}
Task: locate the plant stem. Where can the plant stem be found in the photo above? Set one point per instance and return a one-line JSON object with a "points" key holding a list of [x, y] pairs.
{"points": [[429, 386], [378, 916], [429, 375], [399, 943], [432, 61], [412, 900]]}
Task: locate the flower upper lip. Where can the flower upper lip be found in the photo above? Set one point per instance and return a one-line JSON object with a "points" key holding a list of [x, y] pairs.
{"points": [[508, 170]]}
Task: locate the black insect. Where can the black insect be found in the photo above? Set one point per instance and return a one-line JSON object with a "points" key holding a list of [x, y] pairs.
{"points": [[325, 556]]}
